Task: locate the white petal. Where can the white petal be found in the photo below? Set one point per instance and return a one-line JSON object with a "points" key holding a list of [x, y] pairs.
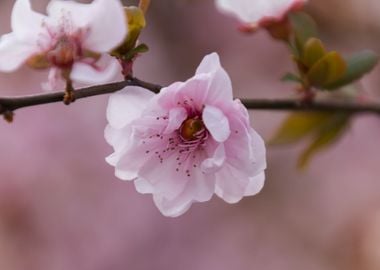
{"points": [[213, 164], [199, 188], [143, 186], [164, 177], [249, 11], [171, 208], [85, 73], [216, 123], [104, 19], [108, 26], [255, 185], [78, 14], [220, 87], [231, 183], [127, 105], [26, 23], [176, 118], [13, 53], [258, 152]]}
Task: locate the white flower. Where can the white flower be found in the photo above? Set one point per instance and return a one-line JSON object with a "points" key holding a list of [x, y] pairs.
{"points": [[186, 143], [69, 40], [256, 12]]}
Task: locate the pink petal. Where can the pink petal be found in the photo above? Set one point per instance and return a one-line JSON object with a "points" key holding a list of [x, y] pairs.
{"points": [[127, 105], [220, 87], [26, 23], [144, 187], [133, 148], [193, 90], [214, 163], [172, 208], [255, 185], [13, 53], [164, 177], [258, 152], [216, 123], [176, 118], [199, 188], [231, 183], [88, 74]]}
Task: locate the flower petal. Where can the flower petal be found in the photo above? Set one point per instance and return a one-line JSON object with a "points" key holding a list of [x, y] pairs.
{"points": [[249, 11], [231, 183], [108, 27], [26, 23], [199, 188], [172, 208], [216, 123], [144, 187], [213, 164], [163, 176], [220, 87], [104, 19], [255, 185], [13, 53], [88, 74], [127, 105], [258, 152], [176, 118], [79, 14]]}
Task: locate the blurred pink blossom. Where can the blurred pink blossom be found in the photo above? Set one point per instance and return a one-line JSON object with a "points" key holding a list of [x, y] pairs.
{"points": [[70, 40], [258, 12], [186, 143]]}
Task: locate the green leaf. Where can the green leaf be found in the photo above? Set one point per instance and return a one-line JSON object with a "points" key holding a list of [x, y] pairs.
{"points": [[313, 52], [299, 125], [329, 133], [357, 66], [327, 70], [142, 48], [290, 77], [304, 28]]}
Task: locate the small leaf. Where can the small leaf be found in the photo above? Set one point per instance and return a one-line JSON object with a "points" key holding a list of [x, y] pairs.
{"points": [[327, 70], [357, 66], [299, 125], [290, 77], [142, 48], [313, 52], [330, 132], [304, 28]]}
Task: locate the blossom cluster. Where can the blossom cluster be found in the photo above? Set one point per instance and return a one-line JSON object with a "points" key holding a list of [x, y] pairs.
{"points": [[183, 145]]}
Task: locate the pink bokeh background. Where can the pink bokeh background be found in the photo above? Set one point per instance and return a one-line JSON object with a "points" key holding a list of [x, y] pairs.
{"points": [[61, 207]]}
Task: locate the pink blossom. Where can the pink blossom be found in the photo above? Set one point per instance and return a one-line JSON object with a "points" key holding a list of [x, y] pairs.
{"points": [[258, 12], [69, 40], [187, 142]]}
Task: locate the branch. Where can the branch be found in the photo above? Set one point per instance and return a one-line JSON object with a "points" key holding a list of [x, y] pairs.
{"points": [[9, 104]]}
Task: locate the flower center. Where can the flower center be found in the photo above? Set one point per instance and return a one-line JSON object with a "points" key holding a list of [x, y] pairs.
{"points": [[192, 129], [65, 52]]}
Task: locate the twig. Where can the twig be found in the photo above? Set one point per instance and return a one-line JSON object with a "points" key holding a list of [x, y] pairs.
{"points": [[9, 104]]}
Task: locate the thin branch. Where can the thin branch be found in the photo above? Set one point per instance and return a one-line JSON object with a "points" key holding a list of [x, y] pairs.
{"points": [[322, 106], [9, 104]]}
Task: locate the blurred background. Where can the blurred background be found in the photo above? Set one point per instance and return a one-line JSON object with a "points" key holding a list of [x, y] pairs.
{"points": [[62, 208]]}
